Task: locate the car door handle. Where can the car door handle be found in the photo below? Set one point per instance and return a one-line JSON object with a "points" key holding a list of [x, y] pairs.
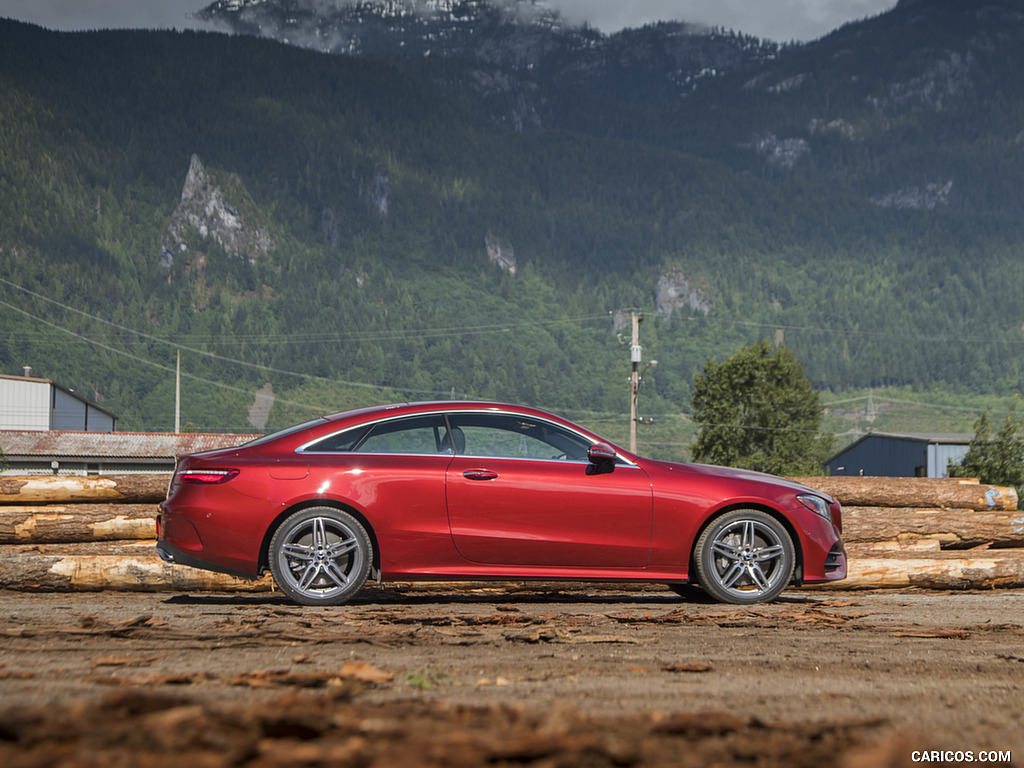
{"points": [[479, 474]]}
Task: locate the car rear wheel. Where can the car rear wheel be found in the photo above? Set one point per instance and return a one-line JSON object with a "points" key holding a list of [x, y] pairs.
{"points": [[744, 557], [320, 556]]}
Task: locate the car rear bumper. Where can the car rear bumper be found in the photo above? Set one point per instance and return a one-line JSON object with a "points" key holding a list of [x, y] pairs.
{"points": [[171, 554]]}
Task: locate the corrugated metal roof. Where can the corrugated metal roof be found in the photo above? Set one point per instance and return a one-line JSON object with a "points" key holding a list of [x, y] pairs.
{"points": [[926, 437], [35, 379], [103, 445]]}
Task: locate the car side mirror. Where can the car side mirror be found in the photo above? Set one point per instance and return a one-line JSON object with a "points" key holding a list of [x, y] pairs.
{"points": [[601, 457]]}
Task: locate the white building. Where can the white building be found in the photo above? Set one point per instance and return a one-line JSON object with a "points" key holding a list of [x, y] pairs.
{"points": [[33, 404]]}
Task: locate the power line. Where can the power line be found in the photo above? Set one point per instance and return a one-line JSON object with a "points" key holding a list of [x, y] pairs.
{"points": [[203, 353], [309, 377], [169, 369], [392, 334], [886, 334], [398, 334], [884, 399], [281, 338], [291, 338]]}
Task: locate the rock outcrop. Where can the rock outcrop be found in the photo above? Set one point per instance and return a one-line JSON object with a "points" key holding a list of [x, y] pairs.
{"points": [[205, 210], [500, 253], [675, 292]]}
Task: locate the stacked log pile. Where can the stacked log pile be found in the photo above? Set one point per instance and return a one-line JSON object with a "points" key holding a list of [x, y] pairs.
{"points": [[937, 534], [73, 533], [64, 533]]}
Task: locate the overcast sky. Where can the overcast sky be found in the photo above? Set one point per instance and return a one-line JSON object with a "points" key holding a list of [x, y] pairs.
{"points": [[781, 20]]}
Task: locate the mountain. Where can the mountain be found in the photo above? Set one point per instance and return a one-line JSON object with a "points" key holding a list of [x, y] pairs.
{"points": [[328, 230], [908, 122], [915, 97], [521, 34], [860, 105], [517, 62]]}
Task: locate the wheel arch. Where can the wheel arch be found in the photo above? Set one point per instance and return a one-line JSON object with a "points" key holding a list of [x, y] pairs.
{"points": [[783, 520], [264, 559]]}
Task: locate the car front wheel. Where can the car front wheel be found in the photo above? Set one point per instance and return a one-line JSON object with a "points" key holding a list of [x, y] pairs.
{"points": [[744, 557], [320, 556]]}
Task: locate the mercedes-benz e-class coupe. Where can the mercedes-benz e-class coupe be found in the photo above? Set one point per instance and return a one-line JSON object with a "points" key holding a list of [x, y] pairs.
{"points": [[487, 491]]}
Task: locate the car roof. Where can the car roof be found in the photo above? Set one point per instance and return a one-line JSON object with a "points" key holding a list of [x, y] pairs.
{"points": [[365, 415], [440, 405], [322, 426]]}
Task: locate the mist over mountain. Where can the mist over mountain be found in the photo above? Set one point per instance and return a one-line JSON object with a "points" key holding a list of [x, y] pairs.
{"points": [[468, 199], [862, 104], [514, 61]]}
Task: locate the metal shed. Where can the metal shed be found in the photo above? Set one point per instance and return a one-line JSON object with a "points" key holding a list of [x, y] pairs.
{"points": [[883, 454], [31, 403]]}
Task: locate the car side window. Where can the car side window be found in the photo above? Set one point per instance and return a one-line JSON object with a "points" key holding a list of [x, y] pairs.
{"points": [[416, 435], [421, 434], [521, 437], [338, 443]]}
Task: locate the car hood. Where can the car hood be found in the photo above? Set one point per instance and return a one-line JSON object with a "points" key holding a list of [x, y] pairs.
{"points": [[734, 474]]}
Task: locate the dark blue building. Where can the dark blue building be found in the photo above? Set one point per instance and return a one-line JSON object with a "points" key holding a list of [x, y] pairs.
{"points": [[882, 454]]}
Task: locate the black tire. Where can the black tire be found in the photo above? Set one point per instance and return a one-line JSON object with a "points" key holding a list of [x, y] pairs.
{"points": [[320, 556], [744, 557]]}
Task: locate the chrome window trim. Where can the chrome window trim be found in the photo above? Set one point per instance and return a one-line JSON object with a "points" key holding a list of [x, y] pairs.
{"points": [[305, 448], [581, 462]]}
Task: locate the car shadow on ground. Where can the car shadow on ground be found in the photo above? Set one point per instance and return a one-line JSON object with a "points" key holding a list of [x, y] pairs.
{"points": [[390, 596]]}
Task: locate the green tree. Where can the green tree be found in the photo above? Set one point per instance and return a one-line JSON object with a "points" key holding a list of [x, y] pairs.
{"points": [[757, 410], [995, 459]]}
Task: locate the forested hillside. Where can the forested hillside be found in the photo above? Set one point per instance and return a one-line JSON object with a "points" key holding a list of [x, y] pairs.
{"points": [[348, 232]]}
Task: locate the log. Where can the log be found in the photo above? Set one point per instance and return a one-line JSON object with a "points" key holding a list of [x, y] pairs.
{"points": [[913, 492], [62, 489], [120, 566], [953, 528], [986, 569], [903, 545], [60, 523]]}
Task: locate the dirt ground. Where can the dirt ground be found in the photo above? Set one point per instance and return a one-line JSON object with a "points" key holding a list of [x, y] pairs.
{"points": [[542, 675]]}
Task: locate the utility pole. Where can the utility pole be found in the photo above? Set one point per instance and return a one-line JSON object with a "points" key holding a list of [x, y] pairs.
{"points": [[635, 353], [177, 396], [636, 377]]}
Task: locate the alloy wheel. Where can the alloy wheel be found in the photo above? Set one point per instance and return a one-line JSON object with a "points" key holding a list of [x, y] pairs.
{"points": [[744, 557], [320, 556]]}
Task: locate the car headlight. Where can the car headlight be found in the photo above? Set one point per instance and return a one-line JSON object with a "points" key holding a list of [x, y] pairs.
{"points": [[817, 505]]}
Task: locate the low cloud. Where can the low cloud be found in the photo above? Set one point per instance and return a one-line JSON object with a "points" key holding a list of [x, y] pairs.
{"points": [[104, 14], [780, 20]]}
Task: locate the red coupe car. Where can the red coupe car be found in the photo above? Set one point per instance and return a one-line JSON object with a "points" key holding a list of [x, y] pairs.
{"points": [[469, 490]]}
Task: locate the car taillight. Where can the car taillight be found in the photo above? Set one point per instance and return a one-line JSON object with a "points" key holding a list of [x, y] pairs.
{"points": [[205, 476]]}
